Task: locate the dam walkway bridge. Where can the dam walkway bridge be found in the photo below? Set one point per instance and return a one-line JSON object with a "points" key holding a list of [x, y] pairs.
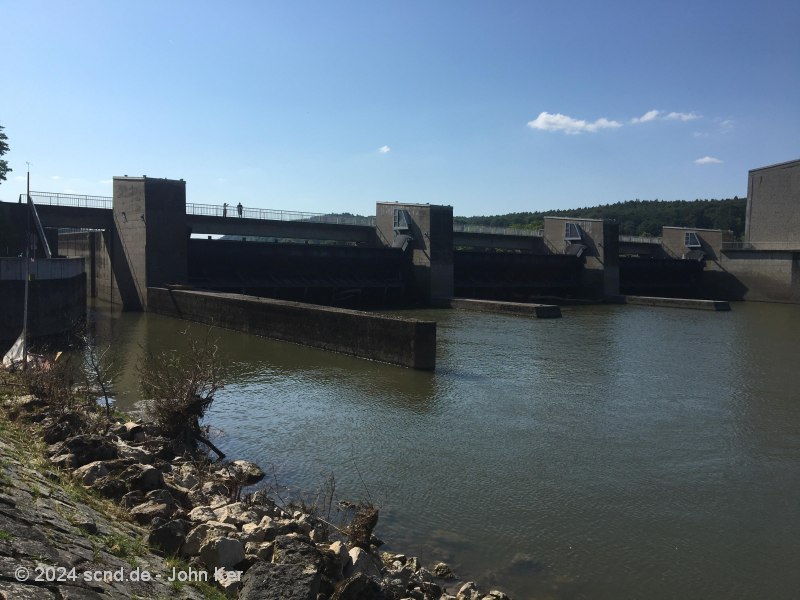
{"points": [[94, 212]]}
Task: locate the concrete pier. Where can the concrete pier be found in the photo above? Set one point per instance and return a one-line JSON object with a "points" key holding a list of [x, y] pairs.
{"points": [[56, 301], [540, 311], [405, 342], [715, 305]]}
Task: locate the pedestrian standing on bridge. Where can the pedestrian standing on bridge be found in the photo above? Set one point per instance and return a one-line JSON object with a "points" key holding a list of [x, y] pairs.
{"points": [[225, 209], [239, 208]]}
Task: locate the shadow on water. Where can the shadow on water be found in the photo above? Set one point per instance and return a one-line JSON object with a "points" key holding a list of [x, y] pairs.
{"points": [[253, 360], [617, 452]]}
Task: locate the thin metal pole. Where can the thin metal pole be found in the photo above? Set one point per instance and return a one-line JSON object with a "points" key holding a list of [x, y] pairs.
{"points": [[27, 273]]}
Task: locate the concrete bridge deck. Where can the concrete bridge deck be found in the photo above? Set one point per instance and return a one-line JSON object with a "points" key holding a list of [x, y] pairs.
{"points": [[94, 212]]}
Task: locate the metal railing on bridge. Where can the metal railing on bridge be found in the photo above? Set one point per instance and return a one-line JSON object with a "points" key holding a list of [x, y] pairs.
{"points": [[214, 210], [231, 211], [789, 246], [75, 200], [639, 239], [463, 228]]}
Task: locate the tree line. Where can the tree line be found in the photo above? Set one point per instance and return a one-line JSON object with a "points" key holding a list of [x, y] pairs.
{"points": [[636, 217]]}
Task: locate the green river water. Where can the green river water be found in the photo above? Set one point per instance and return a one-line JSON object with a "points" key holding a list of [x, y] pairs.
{"points": [[618, 452]]}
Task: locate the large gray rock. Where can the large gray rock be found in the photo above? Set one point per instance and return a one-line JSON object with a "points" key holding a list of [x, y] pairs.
{"points": [[268, 581], [235, 514], [358, 587], [277, 527], [443, 571], [222, 552], [133, 453], [185, 476], [339, 551], [252, 532], [145, 513], [363, 562], [468, 591], [91, 472], [134, 432], [161, 497], [169, 537], [131, 499], [262, 551], [198, 536], [88, 448], [202, 514], [246, 472], [143, 477], [296, 550]]}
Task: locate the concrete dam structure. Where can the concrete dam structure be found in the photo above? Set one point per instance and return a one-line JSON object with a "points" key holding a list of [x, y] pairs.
{"points": [[147, 236]]}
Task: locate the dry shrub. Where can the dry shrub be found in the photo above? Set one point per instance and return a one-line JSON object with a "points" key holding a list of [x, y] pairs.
{"points": [[53, 382], [179, 387]]}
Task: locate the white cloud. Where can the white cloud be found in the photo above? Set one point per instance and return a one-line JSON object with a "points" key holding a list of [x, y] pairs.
{"points": [[708, 160], [55, 177], [558, 122], [725, 125], [657, 115], [384, 150], [650, 115], [679, 116]]}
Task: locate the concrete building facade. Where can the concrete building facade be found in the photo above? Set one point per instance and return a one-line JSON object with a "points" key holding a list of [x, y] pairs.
{"points": [[773, 207], [767, 263]]}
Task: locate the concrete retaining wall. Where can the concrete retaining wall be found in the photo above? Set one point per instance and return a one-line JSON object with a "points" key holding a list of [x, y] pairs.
{"points": [[764, 275], [716, 305], [54, 268], [55, 306], [541, 311], [405, 342]]}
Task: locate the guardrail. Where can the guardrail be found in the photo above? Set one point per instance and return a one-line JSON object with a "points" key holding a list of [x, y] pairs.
{"points": [[463, 228], [231, 211], [639, 239], [792, 246], [214, 210], [75, 200]]}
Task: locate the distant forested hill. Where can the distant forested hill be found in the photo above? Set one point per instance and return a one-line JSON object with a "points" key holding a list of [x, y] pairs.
{"points": [[637, 217]]}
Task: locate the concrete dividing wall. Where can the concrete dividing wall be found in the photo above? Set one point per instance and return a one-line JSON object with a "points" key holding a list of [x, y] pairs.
{"points": [[54, 268], [55, 306], [93, 248], [693, 304], [540, 311], [12, 228], [765, 276], [405, 342]]}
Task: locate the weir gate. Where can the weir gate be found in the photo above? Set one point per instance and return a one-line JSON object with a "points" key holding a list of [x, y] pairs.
{"points": [[147, 235]]}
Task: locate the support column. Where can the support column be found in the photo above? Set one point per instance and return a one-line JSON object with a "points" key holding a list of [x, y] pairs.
{"points": [[426, 231], [150, 241]]}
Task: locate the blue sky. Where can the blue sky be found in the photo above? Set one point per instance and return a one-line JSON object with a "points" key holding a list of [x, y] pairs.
{"points": [[491, 107]]}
